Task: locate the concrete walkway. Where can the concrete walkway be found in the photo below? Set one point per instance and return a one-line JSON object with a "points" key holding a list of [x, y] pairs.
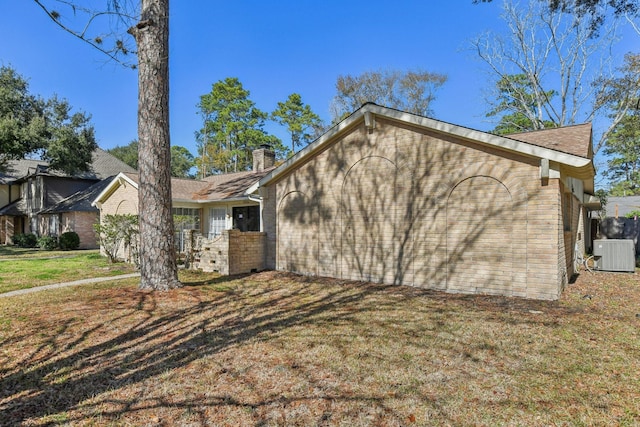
{"points": [[64, 285]]}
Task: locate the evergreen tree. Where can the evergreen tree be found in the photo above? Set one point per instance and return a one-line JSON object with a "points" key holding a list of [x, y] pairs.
{"points": [[302, 123], [32, 126], [233, 128], [181, 159], [623, 147], [127, 153], [147, 21], [181, 162], [518, 107]]}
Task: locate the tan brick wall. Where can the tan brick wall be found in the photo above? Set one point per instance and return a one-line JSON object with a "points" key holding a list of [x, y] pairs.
{"points": [[213, 255], [124, 200], [82, 223], [233, 252], [406, 206], [269, 223]]}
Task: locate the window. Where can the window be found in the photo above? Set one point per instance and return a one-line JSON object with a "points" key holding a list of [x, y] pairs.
{"points": [[186, 218], [53, 225], [217, 221], [567, 211], [246, 218]]}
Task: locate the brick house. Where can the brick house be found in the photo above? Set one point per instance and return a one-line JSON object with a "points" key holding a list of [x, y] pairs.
{"points": [[39, 200], [76, 213], [221, 208], [397, 198]]}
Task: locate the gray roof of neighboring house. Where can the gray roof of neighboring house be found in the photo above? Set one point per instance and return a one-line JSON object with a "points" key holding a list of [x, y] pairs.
{"points": [[15, 208], [621, 206], [18, 169], [103, 165], [80, 201]]}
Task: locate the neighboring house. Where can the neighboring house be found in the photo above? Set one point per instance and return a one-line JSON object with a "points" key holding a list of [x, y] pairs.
{"points": [[615, 224], [621, 206], [76, 213], [35, 199], [209, 206], [396, 198]]}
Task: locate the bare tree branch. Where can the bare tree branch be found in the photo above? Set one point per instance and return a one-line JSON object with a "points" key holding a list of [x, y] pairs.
{"points": [[560, 58], [97, 41]]}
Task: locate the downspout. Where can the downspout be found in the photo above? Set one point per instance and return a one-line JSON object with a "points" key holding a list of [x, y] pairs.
{"points": [[259, 200]]}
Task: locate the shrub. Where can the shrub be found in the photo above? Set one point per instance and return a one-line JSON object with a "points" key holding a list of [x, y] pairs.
{"points": [[27, 240], [116, 232], [48, 243], [69, 241], [633, 214]]}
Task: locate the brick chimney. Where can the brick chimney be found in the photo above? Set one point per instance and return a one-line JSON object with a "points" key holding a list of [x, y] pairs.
{"points": [[263, 158]]}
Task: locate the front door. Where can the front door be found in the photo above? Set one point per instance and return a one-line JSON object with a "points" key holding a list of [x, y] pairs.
{"points": [[246, 218]]}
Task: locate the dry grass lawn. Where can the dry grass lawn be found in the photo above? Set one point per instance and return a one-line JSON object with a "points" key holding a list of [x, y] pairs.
{"points": [[273, 349]]}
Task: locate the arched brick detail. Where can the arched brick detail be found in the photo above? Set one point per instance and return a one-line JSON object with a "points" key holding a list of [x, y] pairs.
{"points": [[297, 230], [516, 216], [370, 230]]}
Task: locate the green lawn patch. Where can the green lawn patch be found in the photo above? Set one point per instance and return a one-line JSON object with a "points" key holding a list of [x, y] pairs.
{"points": [[24, 270]]}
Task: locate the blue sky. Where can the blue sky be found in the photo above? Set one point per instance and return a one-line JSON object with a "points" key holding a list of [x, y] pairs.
{"points": [[275, 48]]}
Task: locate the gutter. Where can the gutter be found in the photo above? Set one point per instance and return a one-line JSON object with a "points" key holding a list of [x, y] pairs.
{"points": [[580, 166]]}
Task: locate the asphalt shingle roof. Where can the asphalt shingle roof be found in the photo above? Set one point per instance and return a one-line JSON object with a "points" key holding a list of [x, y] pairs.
{"points": [[103, 165], [622, 205], [80, 201], [574, 139], [212, 188], [16, 208]]}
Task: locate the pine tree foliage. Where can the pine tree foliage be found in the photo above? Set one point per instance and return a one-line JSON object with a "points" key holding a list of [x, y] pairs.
{"points": [[232, 128], [302, 123]]}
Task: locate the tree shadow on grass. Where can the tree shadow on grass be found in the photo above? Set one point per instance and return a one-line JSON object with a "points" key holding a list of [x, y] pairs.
{"points": [[98, 348], [140, 335]]}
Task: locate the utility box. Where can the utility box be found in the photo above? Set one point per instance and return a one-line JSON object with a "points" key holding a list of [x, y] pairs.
{"points": [[615, 254]]}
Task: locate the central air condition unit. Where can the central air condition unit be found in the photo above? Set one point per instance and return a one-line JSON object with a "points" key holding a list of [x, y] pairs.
{"points": [[615, 254]]}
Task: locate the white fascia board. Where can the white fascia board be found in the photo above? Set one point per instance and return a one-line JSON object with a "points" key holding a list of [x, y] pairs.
{"points": [[583, 165], [253, 189], [205, 201], [591, 202], [113, 185], [497, 141]]}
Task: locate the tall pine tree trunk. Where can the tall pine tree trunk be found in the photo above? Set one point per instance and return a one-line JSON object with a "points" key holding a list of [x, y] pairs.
{"points": [[158, 268]]}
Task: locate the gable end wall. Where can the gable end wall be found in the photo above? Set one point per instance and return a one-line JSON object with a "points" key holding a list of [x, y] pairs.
{"points": [[405, 206]]}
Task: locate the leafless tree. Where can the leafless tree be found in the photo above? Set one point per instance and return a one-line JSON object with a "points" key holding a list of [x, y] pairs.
{"points": [[411, 90], [564, 64]]}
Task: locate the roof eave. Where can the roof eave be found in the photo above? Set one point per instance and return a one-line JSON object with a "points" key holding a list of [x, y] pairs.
{"points": [[207, 201], [113, 185], [580, 166]]}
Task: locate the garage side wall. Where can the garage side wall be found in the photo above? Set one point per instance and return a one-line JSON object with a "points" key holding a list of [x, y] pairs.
{"points": [[402, 205]]}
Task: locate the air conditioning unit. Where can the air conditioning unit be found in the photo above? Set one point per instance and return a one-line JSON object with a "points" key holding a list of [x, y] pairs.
{"points": [[615, 254]]}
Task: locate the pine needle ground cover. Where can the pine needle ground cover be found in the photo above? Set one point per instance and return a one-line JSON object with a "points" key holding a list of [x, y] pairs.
{"points": [[273, 349]]}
